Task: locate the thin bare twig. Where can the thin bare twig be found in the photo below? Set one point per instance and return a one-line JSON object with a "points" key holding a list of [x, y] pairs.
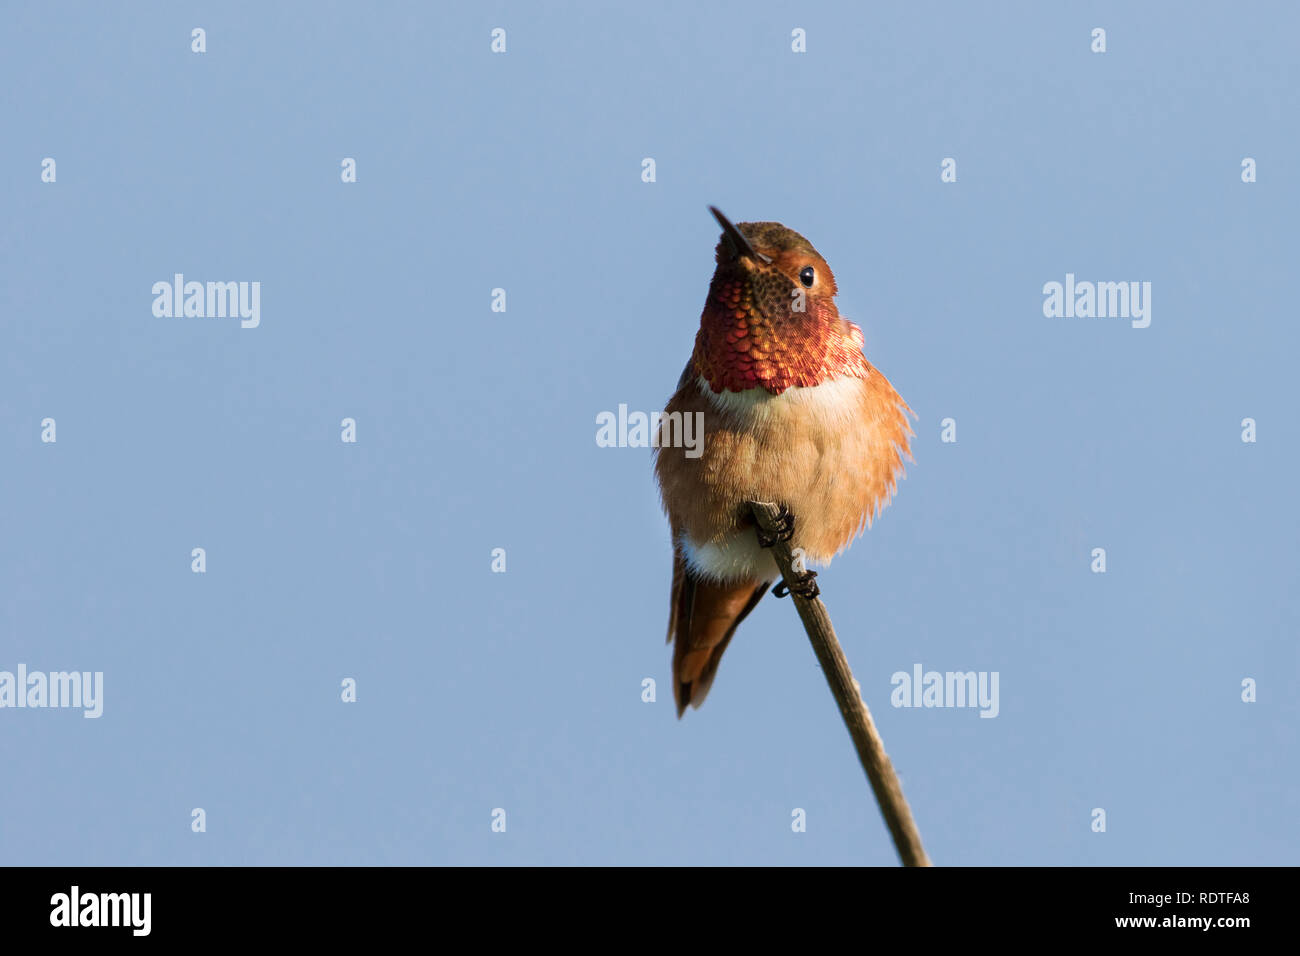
{"points": [[871, 749]]}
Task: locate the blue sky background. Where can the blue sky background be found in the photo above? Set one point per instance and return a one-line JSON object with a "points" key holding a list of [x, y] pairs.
{"points": [[476, 429]]}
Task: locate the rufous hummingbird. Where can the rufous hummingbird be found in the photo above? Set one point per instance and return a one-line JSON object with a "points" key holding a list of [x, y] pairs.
{"points": [[793, 414]]}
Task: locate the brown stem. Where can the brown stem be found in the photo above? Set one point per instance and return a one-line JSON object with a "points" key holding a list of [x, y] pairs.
{"points": [[871, 749]]}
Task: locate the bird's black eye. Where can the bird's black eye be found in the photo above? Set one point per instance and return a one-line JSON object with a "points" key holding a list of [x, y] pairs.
{"points": [[806, 276]]}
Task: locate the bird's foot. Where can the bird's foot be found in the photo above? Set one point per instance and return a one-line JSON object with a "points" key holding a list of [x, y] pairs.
{"points": [[784, 529], [805, 586]]}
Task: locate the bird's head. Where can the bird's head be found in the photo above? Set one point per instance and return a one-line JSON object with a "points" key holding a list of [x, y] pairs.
{"points": [[770, 320]]}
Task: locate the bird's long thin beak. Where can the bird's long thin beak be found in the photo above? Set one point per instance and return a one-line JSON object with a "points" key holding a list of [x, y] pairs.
{"points": [[737, 239]]}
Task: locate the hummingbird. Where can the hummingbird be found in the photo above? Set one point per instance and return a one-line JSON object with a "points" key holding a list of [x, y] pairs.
{"points": [[793, 414]]}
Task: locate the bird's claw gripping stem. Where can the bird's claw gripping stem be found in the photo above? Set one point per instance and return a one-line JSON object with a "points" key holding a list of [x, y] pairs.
{"points": [[784, 529], [805, 586]]}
